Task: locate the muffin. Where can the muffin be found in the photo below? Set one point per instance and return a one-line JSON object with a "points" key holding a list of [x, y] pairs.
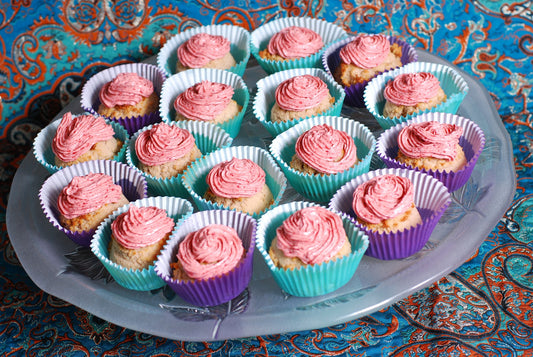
{"points": [[204, 50], [291, 43]]}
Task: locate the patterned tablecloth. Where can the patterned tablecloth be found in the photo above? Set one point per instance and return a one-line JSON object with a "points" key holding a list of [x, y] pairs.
{"points": [[48, 49]]}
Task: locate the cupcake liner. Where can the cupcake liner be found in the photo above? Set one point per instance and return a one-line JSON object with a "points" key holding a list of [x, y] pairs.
{"points": [[320, 188], [238, 37], [261, 36], [472, 141], [208, 138], [42, 145], [132, 183], [180, 82], [265, 97], [90, 100], [450, 80], [354, 93], [313, 280], [431, 199], [220, 289], [145, 279], [194, 177]]}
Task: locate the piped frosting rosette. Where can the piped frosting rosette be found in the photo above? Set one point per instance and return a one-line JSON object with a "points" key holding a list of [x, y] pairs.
{"points": [[265, 97], [194, 178], [314, 279], [238, 37], [180, 82], [261, 36], [207, 138], [472, 141], [176, 208], [451, 82], [431, 198], [221, 287], [133, 187], [319, 187], [331, 60], [90, 99]]}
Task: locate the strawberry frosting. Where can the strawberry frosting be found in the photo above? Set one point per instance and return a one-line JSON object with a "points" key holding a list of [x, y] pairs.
{"points": [[86, 194], [236, 178], [430, 139], [366, 51], [295, 42], [204, 100], [201, 48], [410, 89], [301, 92], [125, 89], [210, 251]]}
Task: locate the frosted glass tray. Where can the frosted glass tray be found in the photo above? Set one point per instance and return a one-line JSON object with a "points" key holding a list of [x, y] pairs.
{"points": [[264, 308]]}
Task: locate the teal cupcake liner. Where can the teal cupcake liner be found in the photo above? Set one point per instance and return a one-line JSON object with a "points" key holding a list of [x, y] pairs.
{"points": [[312, 280], [194, 177], [208, 138], [42, 145], [180, 82], [145, 279], [265, 97], [454, 86], [320, 188]]}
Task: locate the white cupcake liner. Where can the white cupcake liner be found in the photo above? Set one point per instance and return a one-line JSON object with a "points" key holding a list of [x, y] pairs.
{"points": [[194, 177], [312, 280], [146, 279], [261, 36], [472, 141], [321, 188], [220, 289], [237, 36], [265, 97], [42, 145], [133, 187], [180, 82], [208, 138], [454, 86], [431, 198]]}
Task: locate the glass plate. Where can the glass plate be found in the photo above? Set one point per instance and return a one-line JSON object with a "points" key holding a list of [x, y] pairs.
{"points": [[264, 308]]}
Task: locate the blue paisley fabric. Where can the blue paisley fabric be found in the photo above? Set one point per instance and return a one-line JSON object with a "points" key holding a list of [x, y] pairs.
{"points": [[48, 49]]}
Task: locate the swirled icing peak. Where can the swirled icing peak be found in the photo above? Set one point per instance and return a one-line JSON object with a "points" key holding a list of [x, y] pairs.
{"points": [[366, 51], [125, 89], [410, 89], [326, 149], [312, 234], [86, 194], [139, 227], [430, 139], [210, 251], [163, 143], [204, 100], [236, 178], [295, 42], [201, 48], [301, 92], [382, 197], [76, 135]]}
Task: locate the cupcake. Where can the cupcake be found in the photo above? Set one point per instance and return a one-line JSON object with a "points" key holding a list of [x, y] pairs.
{"points": [[291, 43], [204, 51]]}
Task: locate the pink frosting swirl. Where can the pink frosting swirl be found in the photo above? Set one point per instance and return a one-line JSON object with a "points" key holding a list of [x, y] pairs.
{"points": [[125, 89], [326, 149], [139, 227], [204, 101], [86, 194], [366, 51], [77, 135], [312, 234], [295, 42], [210, 251], [382, 197], [301, 92], [201, 48], [163, 143], [410, 89], [430, 139], [236, 178]]}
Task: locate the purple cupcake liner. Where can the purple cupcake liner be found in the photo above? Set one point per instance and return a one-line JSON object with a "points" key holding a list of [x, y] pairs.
{"points": [[472, 142], [220, 289], [354, 93]]}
